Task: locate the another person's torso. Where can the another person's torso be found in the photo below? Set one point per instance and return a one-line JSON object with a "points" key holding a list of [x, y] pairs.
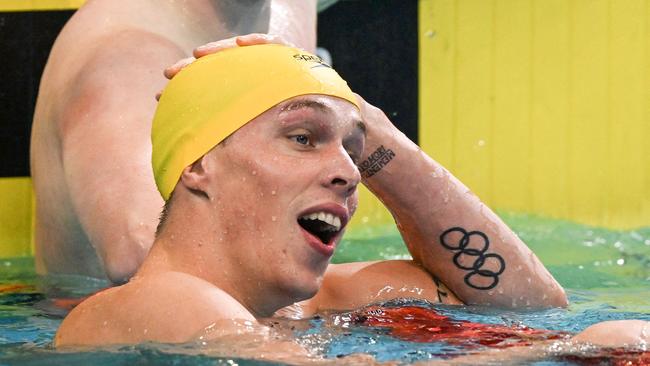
{"points": [[62, 245]]}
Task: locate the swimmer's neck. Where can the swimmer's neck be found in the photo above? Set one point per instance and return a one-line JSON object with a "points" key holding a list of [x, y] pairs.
{"points": [[200, 245]]}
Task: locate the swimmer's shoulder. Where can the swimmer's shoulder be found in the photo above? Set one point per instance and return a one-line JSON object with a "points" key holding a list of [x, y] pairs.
{"points": [[353, 285], [168, 307]]}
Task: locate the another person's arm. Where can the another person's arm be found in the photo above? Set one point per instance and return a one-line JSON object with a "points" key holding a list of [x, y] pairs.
{"points": [[447, 229], [105, 137]]}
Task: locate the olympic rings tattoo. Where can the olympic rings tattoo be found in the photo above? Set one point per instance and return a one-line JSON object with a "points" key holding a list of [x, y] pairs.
{"points": [[480, 254]]}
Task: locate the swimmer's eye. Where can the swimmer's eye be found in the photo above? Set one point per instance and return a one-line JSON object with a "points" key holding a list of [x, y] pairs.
{"points": [[301, 139]]}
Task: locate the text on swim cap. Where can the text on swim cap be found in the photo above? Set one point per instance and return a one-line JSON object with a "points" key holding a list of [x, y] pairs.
{"points": [[311, 58]]}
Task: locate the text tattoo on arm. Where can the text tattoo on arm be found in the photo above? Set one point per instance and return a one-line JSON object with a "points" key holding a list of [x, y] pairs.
{"points": [[441, 293], [376, 161], [464, 252]]}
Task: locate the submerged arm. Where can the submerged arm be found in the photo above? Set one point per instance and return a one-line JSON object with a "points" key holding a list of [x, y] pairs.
{"points": [[447, 229]]}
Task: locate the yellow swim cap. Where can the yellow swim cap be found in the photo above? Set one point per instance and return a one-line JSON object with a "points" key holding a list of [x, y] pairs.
{"points": [[217, 94]]}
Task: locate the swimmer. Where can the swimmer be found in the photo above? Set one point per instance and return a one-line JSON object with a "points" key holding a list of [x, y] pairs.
{"points": [[258, 163], [97, 205]]}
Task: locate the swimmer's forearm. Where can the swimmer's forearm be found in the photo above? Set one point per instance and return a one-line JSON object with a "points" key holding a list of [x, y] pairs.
{"points": [[449, 230]]}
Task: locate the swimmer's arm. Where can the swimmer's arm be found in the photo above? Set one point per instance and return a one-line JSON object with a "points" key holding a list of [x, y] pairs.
{"points": [[427, 201], [105, 137], [354, 285]]}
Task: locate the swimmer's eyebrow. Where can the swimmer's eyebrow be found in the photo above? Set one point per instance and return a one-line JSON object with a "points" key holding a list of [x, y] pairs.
{"points": [[313, 104]]}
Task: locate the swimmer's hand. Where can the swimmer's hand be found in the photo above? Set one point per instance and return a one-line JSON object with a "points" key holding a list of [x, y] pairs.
{"points": [[224, 44]]}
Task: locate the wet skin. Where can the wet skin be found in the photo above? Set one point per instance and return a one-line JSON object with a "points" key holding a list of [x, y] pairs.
{"points": [[295, 159], [233, 230]]}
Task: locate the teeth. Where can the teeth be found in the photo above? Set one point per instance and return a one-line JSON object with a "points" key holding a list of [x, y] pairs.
{"points": [[328, 218]]}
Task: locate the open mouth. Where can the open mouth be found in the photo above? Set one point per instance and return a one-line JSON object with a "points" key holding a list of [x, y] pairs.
{"points": [[322, 225]]}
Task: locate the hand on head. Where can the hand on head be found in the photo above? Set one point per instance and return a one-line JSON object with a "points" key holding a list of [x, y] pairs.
{"points": [[224, 44]]}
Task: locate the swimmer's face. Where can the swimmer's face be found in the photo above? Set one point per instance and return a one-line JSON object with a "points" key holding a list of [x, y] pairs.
{"points": [[286, 186]]}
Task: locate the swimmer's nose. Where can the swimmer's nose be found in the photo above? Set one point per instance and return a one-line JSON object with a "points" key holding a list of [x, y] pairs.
{"points": [[342, 175]]}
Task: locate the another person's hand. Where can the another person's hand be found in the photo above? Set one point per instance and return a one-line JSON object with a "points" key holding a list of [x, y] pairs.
{"points": [[214, 47]]}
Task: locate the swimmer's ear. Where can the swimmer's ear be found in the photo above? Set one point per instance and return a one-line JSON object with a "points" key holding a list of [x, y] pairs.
{"points": [[195, 177]]}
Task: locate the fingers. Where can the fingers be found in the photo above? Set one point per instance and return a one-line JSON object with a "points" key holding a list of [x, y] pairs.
{"points": [[178, 66], [214, 47], [261, 38], [245, 40]]}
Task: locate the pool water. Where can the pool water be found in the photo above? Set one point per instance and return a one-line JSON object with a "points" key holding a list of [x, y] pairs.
{"points": [[606, 274]]}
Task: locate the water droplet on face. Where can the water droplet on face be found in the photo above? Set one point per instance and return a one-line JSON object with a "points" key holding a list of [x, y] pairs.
{"points": [[273, 193], [254, 172], [273, 218]]}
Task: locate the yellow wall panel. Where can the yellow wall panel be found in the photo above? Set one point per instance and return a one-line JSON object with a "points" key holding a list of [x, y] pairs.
{"points": [[626, 113], [15, 217], [436, 68], [511, 96], [474, 79], [29, 5], [589, 109], [550, 108], [646, 112], [547, 103]]}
